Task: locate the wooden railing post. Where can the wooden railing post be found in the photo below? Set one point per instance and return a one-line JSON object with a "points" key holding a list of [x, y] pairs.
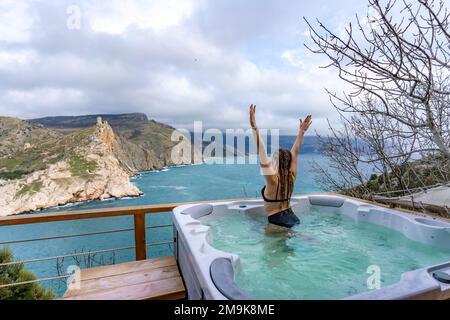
{"points": [[139, 236]]}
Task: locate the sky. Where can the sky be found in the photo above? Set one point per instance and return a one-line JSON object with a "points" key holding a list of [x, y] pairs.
{"points": [[178, 61]]}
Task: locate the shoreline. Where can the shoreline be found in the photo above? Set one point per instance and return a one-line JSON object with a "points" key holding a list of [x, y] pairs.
{"points": [[137, 176], [140, 174]]}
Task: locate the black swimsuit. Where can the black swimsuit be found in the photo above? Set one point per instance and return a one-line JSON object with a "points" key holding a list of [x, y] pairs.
{"points": [[285, 218]]}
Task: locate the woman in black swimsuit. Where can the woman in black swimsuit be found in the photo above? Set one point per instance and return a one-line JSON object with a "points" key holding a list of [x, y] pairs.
{"points": [[280, 175]]}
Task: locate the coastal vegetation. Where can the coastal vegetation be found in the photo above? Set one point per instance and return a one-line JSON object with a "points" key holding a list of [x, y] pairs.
{"points": [[414, 175], [81, 167], [34, 186], [11, 175], [16, 273]]}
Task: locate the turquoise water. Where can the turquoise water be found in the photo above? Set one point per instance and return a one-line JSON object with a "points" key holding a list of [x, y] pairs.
{"points": [[326, 257], [191, 183]]}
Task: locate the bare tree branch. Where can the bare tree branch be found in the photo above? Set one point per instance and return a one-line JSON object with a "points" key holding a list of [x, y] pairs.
{"points": [[396, 119]]}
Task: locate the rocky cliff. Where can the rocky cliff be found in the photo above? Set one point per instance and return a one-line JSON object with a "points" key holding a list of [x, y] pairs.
{"points": [[87, 170], [142, 144], [68, 162]]}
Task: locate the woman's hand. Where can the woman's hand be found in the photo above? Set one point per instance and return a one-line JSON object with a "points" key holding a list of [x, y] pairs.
{"points": [[252, 116], [305, 124]]}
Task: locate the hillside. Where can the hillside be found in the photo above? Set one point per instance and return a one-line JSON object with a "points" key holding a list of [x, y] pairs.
{"points": [[72, 160], [144, 144], [18, 135], [86, 121], [76, 167], [414, 175]]}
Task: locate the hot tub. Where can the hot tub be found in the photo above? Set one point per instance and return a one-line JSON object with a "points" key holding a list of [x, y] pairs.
{"points": [[343, 249]]}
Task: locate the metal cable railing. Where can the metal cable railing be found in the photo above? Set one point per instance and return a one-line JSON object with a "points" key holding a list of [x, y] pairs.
{"points": [[140, 244], [82, 254], [65, 236], [9, 285], [140, 247], [80, 235], [68, 256]]}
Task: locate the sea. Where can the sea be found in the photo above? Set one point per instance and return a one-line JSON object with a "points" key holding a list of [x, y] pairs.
{"points": [[207, 181]]}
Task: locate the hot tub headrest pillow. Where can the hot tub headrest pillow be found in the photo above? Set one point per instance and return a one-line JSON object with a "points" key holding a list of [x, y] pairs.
{"points": [[326, 201], [198, 211]]}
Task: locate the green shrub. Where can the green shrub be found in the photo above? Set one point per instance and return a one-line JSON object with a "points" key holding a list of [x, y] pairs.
{"points": [[35, 186], [17, 273], [81, 167], [12, 175]]}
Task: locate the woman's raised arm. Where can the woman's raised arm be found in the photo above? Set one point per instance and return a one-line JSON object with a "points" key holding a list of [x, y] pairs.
{"points": [[264, 160], [304, 126]]}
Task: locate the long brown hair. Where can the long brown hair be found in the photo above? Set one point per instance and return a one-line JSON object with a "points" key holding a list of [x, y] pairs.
{"points": [[286, 182]]}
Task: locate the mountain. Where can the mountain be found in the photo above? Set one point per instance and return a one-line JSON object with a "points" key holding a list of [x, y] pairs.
{"points": [[85, 121], [144, 144], [75, 167], [310, 144], [17, 134], [76, 160]]}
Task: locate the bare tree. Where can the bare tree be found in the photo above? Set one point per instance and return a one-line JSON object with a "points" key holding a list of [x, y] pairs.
{"points": [[397, 61]]}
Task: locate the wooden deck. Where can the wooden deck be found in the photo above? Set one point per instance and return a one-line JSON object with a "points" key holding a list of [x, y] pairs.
{"points": [[153, 279]]}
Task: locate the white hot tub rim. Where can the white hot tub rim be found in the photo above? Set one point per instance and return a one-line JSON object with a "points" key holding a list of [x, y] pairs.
{"points": [[221, 266]]}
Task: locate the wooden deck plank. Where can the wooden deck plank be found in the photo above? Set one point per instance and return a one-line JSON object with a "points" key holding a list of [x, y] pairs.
{"points": [[117, 281], [127, 267], [138, 280], [172, 288]]}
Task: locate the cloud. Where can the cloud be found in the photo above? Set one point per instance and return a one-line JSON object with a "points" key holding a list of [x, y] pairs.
{"points": [[293, 57], [116, 16], [10, 60], [16, 21], [31, 101], [176, 61]]}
